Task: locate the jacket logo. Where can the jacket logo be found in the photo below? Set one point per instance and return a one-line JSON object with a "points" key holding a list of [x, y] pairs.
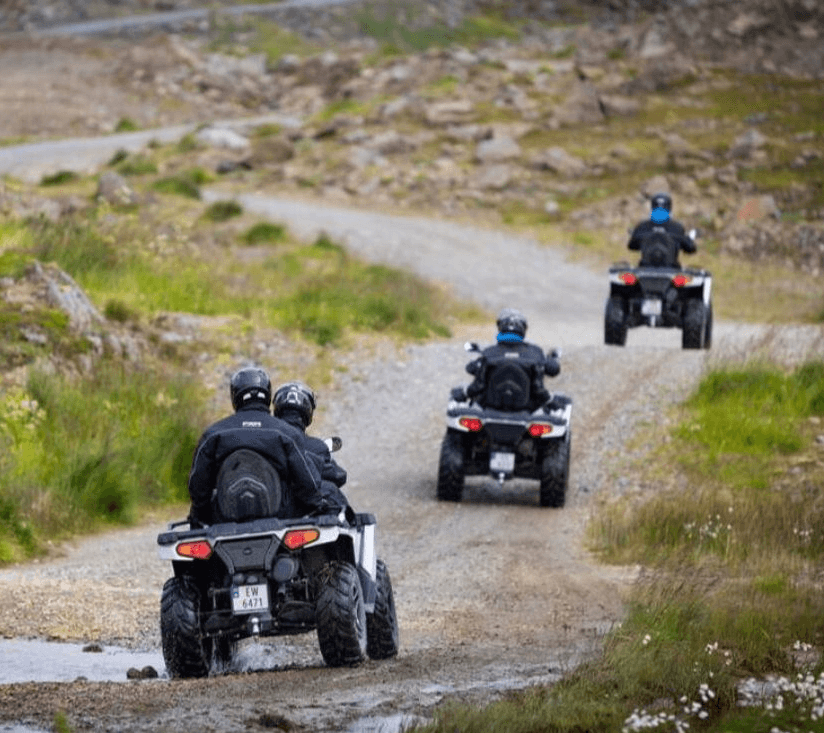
{"points": [[252, 424]]}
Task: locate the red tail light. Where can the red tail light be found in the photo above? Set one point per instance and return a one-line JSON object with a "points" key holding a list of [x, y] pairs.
{"points": [[199, 549], [472, 424], [680, 280], [628, 278], [296, 538], [537, 429]]}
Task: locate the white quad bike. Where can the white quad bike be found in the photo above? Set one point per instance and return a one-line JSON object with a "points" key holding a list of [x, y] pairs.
{"points": [[270, 576], [659, 293], [507, 444]]}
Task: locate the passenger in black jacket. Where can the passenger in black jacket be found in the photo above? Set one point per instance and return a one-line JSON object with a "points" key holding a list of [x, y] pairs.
{"points": [[661, 207], [294, 402], [510, 351], [254, 428]]}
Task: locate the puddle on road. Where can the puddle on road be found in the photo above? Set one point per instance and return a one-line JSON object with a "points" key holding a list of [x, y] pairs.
{"points": [[36, 660], [32, 660]]}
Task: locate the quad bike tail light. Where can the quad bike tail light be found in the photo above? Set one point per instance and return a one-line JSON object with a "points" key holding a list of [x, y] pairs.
{"points": [[680, 280], [628, 278], [537, 429], [472, 424], [197, 550], [297, 538]]}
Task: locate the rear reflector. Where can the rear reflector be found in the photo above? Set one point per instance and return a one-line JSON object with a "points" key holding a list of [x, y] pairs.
{"points": [[472, 424], [296, 538], [198, 550]]}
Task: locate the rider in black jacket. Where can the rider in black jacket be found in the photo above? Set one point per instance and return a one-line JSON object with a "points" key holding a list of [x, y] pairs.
{"points": [[510, 349], [660, 221], [254, 428], [294, 402]]}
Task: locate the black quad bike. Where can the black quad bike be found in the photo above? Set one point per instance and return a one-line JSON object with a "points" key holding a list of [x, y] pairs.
{"points": [[659, 293], [507, 444], [269, 576]]}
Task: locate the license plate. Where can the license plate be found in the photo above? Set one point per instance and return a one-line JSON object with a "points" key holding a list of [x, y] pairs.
{"points": [[651, 307], [250, 598], [502, 462]]}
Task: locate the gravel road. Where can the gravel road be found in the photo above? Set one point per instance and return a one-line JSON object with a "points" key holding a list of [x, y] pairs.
{"points": [[494, 593]]}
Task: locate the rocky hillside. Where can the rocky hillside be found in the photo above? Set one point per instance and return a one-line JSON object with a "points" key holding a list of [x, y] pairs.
{"points": [[558, 117]]}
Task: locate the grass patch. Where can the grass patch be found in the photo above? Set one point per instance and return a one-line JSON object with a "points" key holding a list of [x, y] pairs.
{"points": [[78, 454], [126, 124], [186, 183], [59, 178], [262, 36], [411, 35], [264, 232], [313, 291], [221, 211], [135, 165]]}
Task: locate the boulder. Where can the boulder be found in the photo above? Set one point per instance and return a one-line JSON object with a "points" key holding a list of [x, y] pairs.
{"points": [[559, 161], [497, 150], [581, 107], [496, 177], [114, 190], [454, 112], [223, 137]]}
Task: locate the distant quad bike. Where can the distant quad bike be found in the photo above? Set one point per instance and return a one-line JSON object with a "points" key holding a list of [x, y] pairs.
{"points": [[267, 576], [507, 444], [659, 293]]}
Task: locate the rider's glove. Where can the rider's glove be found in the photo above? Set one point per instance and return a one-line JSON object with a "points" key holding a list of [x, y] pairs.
{"points": [[458, 394]]}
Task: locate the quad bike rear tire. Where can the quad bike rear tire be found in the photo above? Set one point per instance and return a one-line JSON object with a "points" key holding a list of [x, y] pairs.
{"points": [[451, 467], [694, 331], [341, 616], [186, 651], [555, 473], [708, 330], [615, 322], [382, 635]]}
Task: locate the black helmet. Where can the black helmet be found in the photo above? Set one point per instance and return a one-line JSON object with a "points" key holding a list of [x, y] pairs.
{"points": [[511, 321], [661, 201], [248, 384], [297, 396]]}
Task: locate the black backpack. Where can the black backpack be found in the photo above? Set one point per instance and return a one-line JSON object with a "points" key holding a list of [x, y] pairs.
{"points": [[247, 487], [658, 249], [507, 386]]}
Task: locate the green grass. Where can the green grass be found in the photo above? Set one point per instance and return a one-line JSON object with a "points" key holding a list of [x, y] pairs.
{"points": [[186, 183], [402, 36], [222, 211], [264, 232], [313, 291], [81, 453], [59, 178], [729, 589]]}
